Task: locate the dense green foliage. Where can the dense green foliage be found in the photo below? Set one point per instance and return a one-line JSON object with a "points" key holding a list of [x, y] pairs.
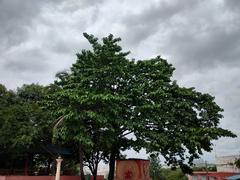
{"points": [[23, 124]]}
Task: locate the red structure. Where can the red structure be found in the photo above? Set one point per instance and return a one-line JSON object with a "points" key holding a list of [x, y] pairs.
{"points": [[132, 169], [44, 178]]}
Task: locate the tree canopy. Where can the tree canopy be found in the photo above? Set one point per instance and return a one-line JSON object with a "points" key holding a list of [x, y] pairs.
{"points": [[106, 96]]}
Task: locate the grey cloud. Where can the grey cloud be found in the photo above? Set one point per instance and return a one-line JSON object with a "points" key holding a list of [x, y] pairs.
{"points": [[64, 27], [200, 38], [233, 4], [226, 146], [75, 5], [30, 61], [218, 46], [142, 25], [15, 17], [64, 43]]}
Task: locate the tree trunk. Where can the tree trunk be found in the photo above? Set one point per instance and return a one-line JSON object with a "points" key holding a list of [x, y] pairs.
{"points": [[26, 168], [30, 165], [95, 172], [81, 162], [12, 167], [112, 165], [53, 170], [49, 165]]}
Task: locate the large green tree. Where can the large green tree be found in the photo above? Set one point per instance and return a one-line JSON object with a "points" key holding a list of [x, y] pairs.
{"points": [[107, 95]]}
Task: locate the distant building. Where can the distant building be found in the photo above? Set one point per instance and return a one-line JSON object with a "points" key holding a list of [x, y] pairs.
{"points": [[227, 164], [226, 169], [199, 162], [202, 164], [210, 175]]}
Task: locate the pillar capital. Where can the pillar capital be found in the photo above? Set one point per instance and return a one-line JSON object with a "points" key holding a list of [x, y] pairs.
{"points": [[59, 159]]}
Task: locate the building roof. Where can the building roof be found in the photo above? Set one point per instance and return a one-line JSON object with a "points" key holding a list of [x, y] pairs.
{"points": [[52, 149]]}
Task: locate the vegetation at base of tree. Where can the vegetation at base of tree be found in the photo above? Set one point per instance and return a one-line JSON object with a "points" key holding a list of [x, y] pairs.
{"points": [[176, 174], [157, 172], [104, 98], [155, 168]]}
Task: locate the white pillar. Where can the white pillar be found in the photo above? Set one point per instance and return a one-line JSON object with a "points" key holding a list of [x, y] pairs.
{"points": [[59, 161]]}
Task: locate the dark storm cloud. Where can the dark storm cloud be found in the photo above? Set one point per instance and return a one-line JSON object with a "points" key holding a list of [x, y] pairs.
{"points": [[32, 61], [233, 4], [203, 51], [33, 38], [146, 23], [18, 18], [15, 18], [201, 35]]}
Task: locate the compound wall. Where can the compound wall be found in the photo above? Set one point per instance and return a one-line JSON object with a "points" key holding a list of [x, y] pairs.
{"points": [[43, 178]]}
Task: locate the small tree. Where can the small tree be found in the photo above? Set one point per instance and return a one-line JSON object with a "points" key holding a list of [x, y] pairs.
{"points": [[155, 168], [24, 126]]}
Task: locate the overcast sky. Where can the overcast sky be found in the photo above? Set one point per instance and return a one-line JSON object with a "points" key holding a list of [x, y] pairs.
{"points": [[200, 38]]}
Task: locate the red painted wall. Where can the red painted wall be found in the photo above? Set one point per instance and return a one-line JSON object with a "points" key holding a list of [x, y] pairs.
{"points": [[29, 177], [134, 169], [43, 178]]}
